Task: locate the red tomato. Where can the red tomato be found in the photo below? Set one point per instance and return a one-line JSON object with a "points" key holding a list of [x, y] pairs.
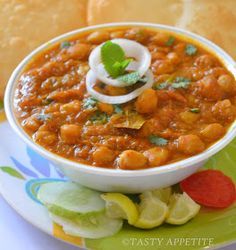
{"points": [[210, 188]]}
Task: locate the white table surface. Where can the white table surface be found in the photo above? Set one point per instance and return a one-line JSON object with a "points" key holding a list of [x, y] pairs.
{"points": [[17, 234]]}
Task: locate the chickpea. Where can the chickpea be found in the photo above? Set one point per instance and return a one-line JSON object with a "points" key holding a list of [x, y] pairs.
{"points": [[194, 73], [117, 34], [158, 55], [156, 156], [79, 51], [224, 110], [137, 34], [209, 88], [98, 37], [213, 131], [180, 48], [162, 67], [105, 107], [173, 57], [160, 39], [131, 159], [146, 102], [71, 107], [111, 90], [45, 137], [189, 117], [103, 155], [31, 124], [70, 133], [190, 144], [205, 61], [227, 83]]}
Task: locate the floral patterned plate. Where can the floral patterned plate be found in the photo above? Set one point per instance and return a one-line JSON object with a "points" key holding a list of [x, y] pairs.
{"points": [[22, 171]]}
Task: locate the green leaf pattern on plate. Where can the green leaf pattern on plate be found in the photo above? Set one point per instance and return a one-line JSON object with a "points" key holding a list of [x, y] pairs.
{"points": [[11, 171]]}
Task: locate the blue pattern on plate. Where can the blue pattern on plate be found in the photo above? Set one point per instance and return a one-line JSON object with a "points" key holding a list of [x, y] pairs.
{"points": [[38, 162], [23, 169]]}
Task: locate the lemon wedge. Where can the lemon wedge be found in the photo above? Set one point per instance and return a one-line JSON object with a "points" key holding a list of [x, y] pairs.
{"points": [[152, 211], [162, 193], [120, 206], [181, 209]]}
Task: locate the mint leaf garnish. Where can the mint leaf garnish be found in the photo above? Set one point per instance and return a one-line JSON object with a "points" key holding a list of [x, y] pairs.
{"points": [[159, 141], [113, 59], [130, 78], [190, 49]]}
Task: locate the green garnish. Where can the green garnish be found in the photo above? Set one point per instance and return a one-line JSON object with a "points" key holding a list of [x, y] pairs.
{"points": [[130, 78], [118, 109], [170, 41], [65, 45], [190, 49], [44, 117], [113, 59], [1, 104], [160, 86], [99, 118], [180, 82], [195, 110], [90, 103], [159, 141]]}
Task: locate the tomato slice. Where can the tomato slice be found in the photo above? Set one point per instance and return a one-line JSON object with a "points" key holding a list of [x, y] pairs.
{"points": [[210, 188]]}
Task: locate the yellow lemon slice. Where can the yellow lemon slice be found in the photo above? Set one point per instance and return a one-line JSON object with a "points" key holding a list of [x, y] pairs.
{"points": [[152, 211], [120, 206], [162, 193], [181, 209]]}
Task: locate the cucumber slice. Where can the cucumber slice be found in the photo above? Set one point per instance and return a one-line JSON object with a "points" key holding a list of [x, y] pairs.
{"points": [[91, 226], [69, 199]]}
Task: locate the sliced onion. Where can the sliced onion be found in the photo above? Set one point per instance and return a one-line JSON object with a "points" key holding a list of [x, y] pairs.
{"points": [[132, 49], [91, 80]]}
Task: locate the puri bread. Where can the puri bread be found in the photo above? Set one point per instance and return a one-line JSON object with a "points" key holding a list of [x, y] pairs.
{"points": [[156, 11], [214, 19], [26, 24]]}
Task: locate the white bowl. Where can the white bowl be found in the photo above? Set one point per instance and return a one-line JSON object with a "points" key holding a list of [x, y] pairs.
{"points": [[115, 180]]}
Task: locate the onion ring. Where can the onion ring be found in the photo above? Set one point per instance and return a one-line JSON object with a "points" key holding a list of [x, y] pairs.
{"points": [[91, 80], [132, 49]]}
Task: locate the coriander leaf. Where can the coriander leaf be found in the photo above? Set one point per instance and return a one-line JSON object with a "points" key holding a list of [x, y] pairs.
{"points": [[47, 101], [181, 79], [111, 55], [90, 103], [180, 82], [130, 78], [159, 141], [170, 41], [160, 86], [99, 118], [118, 109], [190, 49], [44, 117], [195, 110], [65, 45]]}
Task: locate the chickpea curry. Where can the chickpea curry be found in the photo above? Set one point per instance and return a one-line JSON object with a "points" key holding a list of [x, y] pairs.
{"points": [[90, 100]]}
